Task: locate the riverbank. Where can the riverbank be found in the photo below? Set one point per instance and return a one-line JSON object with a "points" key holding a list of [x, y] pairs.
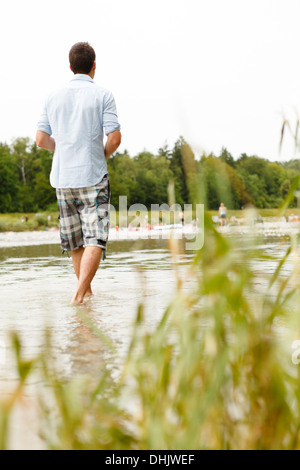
{"points": [[48, 221], [268, 228]]}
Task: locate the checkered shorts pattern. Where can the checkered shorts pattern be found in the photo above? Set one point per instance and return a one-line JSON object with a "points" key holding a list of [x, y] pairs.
{"points": [[84, 216]]}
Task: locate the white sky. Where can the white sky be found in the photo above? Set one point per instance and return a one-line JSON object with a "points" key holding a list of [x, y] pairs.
{"points": [[218, 72]]}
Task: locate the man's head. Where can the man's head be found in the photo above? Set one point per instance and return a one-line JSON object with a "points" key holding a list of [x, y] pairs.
{"points": [[82, 58]]}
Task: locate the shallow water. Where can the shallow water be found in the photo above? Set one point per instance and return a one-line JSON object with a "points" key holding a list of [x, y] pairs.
{"points": [[37, 284]]}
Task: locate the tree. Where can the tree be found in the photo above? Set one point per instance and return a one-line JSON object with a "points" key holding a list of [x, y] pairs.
{"points": [[184, 168], [144, 179], [44, 193], [221, 183], [285, 188], [23, 157], [8, 181], [226, 157]]}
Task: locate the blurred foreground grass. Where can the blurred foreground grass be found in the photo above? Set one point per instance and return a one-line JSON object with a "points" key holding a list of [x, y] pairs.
{"points": [[216, 373]]}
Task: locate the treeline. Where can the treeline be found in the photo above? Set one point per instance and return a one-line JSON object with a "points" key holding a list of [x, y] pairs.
{"points": [[144, 179]]}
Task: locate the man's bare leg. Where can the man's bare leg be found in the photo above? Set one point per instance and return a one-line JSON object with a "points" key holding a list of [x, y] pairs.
{"points": [[76, 258], [89, 263]]}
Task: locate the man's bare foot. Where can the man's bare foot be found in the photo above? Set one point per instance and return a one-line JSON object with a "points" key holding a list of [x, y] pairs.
{"points": [[78, 300], [89, 264], [88, 294]]}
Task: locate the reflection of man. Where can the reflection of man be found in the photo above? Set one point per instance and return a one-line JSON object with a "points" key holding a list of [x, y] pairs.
{"points": [[72, 125]]}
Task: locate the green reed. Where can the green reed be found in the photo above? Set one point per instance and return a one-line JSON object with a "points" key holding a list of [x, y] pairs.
{"points": [[215, 374]]}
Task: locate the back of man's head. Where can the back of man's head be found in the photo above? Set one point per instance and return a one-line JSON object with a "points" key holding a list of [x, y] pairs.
{"points": [[82, 57]]}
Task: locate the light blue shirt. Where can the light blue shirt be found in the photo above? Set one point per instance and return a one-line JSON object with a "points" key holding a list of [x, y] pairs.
{"points": [[76, 116]]}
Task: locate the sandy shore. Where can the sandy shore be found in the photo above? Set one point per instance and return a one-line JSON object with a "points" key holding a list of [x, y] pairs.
{"points": [[267, 227], [8, 239]]}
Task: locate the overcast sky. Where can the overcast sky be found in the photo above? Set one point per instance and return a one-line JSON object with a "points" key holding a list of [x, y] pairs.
{"points": [[218, 72]]}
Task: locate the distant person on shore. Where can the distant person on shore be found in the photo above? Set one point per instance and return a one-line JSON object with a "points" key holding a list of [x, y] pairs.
{"points": [[293, 218], [72, 125], [181, 217], [223, 214]]}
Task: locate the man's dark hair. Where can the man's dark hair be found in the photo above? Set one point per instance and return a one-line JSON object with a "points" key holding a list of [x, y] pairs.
{"points": [[82, 57]]}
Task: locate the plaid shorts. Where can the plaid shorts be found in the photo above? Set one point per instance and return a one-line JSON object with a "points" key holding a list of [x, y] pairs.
{"points": [[84, 216]]}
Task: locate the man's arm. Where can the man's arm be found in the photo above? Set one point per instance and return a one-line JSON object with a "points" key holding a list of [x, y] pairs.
{"points": [[112, 143], [45, 141]]}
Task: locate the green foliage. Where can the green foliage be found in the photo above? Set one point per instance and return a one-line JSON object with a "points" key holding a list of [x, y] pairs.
{"points": [[24, 177], [144, 178], [267, 182], [221, 183], [8, 183], [249, 180]]}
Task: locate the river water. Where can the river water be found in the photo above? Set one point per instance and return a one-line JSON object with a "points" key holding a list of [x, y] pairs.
{"points": [[37, 284]]}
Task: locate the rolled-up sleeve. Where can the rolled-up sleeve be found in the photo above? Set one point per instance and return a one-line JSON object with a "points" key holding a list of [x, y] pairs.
{"points": [[110, 117], [43, 123]]}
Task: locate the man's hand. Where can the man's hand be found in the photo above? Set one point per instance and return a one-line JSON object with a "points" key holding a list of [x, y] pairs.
{"points": [[112, 143], [45, 141]]}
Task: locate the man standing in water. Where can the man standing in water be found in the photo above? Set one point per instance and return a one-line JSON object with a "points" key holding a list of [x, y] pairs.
{"points": [[223, 214], [72, 125]]}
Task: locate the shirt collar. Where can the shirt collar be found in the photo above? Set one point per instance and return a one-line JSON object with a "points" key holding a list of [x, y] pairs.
{"points": [[81, 76]]}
